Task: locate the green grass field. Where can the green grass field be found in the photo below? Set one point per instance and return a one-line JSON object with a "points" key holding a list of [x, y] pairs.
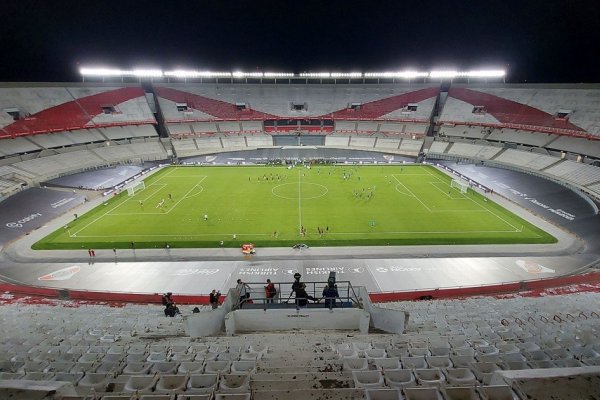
{"points": [[267, 206]]}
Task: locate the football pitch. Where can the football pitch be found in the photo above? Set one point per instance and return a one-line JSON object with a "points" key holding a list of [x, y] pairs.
{"points": [[270, 206]]}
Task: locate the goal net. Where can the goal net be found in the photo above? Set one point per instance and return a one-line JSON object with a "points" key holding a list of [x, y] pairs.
{"points": [[462, 186], [135, 187]]}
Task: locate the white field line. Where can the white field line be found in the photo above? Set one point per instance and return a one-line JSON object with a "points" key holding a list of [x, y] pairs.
{"points": [[299, 202], [183, 235], [487, 209], [123, 202], [413, 195], [133, 198], [462, 196]]}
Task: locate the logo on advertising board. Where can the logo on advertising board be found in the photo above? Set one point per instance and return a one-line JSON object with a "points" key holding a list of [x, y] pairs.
{"points": [[61, 275]]}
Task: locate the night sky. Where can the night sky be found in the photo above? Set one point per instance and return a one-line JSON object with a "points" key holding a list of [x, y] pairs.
{"points": [[536, 41]]}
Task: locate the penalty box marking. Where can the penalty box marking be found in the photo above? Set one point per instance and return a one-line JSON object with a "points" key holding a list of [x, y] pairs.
{"points": [[124, 201]]}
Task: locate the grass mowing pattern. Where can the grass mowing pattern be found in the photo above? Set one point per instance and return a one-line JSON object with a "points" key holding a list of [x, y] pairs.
{"points": [[360, 205]]}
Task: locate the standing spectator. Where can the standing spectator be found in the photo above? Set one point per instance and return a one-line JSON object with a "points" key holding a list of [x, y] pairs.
{"points": [[330, 294], [167, 299], [244, 291], [171, 310], [213, 298], [302, 297], [270, 291]]}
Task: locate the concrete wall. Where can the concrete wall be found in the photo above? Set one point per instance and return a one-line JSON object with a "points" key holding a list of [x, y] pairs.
{"points": [[308, 319], [393, 321], [210, 323]]}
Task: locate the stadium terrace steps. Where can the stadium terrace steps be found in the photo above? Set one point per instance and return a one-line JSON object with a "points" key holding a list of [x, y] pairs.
{"points": [[451, 347]]}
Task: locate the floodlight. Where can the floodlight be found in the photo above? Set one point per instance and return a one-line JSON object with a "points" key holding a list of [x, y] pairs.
{"points": [[444, 74], [180, 73], [346, 74], [278, 75], [315, 75], [397, 74], [100, 72], [146, 73]]}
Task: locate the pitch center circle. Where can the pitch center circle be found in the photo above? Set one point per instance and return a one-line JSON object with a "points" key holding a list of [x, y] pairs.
{"points": [[304, 191]]}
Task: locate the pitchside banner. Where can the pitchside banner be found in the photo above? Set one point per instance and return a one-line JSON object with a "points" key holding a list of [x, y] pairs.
{"points": [[31, 209]]}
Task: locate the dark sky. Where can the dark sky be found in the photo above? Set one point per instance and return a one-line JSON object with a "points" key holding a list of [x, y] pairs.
{"points": [[537, 41]]}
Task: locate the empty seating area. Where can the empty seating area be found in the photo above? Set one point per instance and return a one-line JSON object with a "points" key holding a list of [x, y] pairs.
{"points": [[453, 349], [477, 151], [209, 101], [578, 173]]}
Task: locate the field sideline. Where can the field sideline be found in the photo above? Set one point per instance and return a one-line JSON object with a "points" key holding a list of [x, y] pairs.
{"points": [[273, 205]]}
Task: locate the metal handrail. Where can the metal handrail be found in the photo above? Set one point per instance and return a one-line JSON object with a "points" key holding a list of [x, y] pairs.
{"points": [[314, 290]]}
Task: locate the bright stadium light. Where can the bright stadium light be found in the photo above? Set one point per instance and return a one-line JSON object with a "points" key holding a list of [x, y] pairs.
{"points": [[140, 73], [397, 74], [180, 73], [315, 75], [346, 75], [100, 72], [147, 73], [278, 74], [448, 74]]}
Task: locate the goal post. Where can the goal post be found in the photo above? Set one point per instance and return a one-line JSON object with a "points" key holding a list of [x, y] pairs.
{"points": [[135, 187], [462, 186]]}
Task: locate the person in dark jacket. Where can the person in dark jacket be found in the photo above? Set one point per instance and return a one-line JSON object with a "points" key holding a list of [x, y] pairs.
{"points": [[330, 294]]}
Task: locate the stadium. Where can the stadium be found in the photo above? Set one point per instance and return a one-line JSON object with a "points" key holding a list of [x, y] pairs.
{"points": [[457, 215]]}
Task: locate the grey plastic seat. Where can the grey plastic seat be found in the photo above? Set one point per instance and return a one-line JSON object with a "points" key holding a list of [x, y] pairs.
{"points": [[439, 362], [165, 368], [217, 367], [425, 393], [414, 362], [191, 367], [387, 363], [140, 384], [368, 379], [95, 381], [138, 368], [384, 394], [399, 378], [234, 383], [243, 367], [355, 363], [171, 383], [430, 376], [460, 376], [202, 383], [460, 393]]}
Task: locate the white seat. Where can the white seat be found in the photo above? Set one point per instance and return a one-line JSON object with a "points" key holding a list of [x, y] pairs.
{"points": [[460, 376], [234, 383], [387, 363], [165, 368], [439, 362], [426, 393], [496, 392], [192, 367], [140, 384], [375, 353], [354, 363], [383, 394], [202, 383], [171, 383], [137, 368], [243, 366], [399, 378], [460, 393], [367, 379], [94, 381], [430, 376], [414, 362], [217, 367]]}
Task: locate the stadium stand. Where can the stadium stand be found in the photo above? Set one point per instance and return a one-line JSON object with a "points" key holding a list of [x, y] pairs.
{"points": [[474, 347], [33, 110]]}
